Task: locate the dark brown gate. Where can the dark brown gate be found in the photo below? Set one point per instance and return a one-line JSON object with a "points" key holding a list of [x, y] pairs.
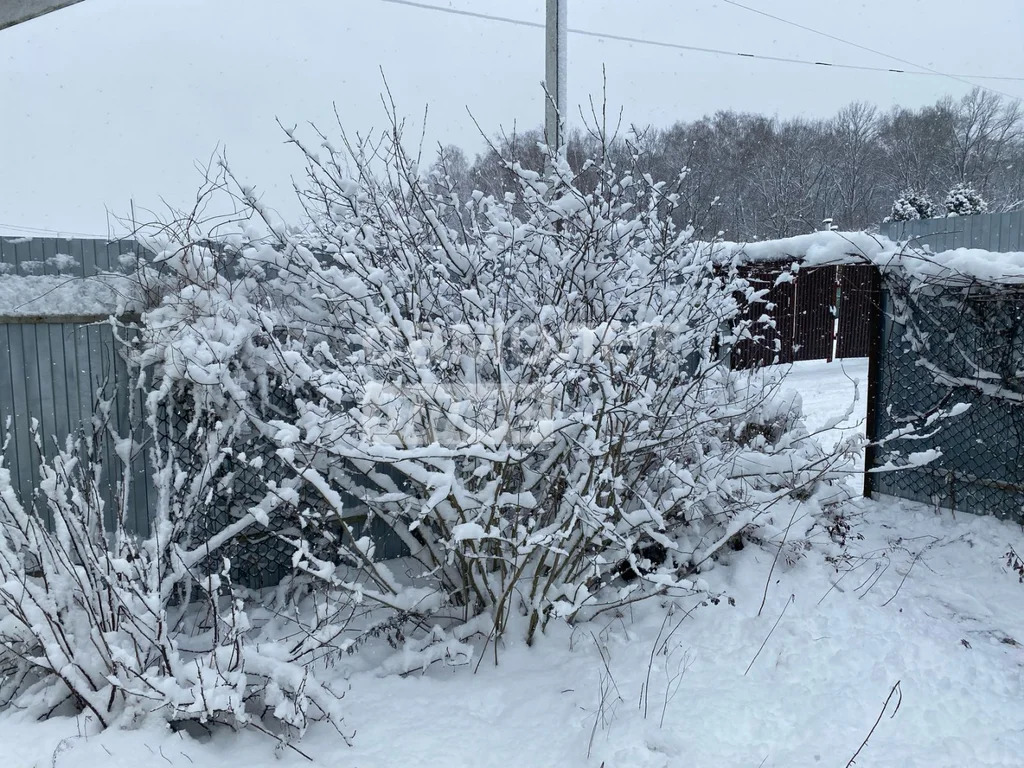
{"points": [[770, 342], [804, 310], [859, 287], [815, 313]]}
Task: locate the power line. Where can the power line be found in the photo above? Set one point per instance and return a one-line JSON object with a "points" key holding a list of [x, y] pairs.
{"points": [[693, 48], [471, 14], [830, 36], [14, 231]]}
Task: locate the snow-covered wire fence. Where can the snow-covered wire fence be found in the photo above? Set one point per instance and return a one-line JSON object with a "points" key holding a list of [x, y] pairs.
{"points": [[951, 336]]}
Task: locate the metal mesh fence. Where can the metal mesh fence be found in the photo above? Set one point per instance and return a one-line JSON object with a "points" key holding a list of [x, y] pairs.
{"points": [[936, 349], [261, 556], [258, 558]]}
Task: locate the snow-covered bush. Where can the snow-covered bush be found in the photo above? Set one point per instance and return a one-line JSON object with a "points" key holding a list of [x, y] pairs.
{"points": [[527, 391], [965, 200], [97, 617], [911, 206], [530, 394]]}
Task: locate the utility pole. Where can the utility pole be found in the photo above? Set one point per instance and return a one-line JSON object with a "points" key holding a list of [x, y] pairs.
{"points": [[556, 99]]}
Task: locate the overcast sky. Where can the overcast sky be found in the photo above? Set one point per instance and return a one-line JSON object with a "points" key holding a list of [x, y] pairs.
{"points": [[114, 101]]}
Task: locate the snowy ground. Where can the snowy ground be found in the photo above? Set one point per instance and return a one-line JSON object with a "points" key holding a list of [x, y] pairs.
{"points": [[925, 601], [829, 390]]}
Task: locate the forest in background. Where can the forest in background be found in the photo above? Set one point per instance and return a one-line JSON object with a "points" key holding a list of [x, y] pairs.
{"points": [[755, 177]]}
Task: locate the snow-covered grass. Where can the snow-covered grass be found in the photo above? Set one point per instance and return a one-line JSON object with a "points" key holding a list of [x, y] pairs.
{"points": [[925, 600]]}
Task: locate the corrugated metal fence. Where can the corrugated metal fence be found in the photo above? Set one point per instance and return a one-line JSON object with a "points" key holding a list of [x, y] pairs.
{"points": [[997, 232], [982, 464], [52, 365]]}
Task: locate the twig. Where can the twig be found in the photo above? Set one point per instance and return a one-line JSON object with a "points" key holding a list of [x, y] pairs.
{"points": [[895, 689], [645, 689], [778, 552], [763, 644], [903, 580]]}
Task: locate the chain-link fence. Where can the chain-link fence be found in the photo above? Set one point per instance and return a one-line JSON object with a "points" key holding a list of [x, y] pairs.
{"points": [[262, 555], [939, 346], [258, 558], [936, 349]]}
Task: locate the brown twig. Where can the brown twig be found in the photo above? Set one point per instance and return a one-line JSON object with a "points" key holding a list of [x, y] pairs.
{"points": [[895, 690]]}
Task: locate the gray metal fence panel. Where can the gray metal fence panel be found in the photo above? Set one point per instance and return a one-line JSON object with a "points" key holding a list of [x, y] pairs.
{"points": [[55, 371], [51, 368], [997, 232]]}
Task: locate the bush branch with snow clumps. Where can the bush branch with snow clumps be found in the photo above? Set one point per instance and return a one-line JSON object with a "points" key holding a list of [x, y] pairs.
{"points": [[98, 617]]}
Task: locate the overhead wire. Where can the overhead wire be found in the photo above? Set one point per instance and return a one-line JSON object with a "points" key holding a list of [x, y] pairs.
{"points": [[9, 231], [695, 48], [929, 70]]}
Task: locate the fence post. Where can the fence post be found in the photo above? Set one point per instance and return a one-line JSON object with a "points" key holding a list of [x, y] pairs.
{"points": [[874, 369]]}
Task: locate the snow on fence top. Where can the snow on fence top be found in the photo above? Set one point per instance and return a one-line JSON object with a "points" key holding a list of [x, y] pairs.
{"points": [[54, 277], [959, 266], [58, 296], [810, 250], [49, 277], [956, 266]]}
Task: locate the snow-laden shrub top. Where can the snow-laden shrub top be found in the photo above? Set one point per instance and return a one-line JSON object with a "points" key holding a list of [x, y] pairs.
{"points": [[965, 200], [912, 206], [530, 392]]}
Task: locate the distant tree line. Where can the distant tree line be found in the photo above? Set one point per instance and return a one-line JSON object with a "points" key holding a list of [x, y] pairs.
{"points": [[755, 177]]}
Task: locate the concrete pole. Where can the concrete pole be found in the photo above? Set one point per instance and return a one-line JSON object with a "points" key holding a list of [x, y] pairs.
{"points": [[555, 81]]}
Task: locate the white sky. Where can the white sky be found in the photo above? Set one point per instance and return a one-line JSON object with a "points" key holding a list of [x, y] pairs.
{"points": [[111, 102]]}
